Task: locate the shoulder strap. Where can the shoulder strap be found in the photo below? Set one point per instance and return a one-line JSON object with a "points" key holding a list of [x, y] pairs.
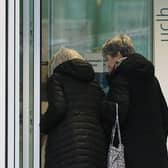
{"points": [[116, 127]]}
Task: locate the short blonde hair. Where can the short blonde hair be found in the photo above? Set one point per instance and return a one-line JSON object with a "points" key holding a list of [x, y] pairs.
{"points": [[121, 43], [62, 55]]}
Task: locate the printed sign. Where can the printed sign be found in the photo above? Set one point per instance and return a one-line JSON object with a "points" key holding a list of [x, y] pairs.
{"points": [[96, 60], [161, 43]]}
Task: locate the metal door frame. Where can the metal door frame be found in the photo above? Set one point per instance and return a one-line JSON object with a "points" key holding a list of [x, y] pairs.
{"points": [[26, 46], [10, 100], [3, 83]]}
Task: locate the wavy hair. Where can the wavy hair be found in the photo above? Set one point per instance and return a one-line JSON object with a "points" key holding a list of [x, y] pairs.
{"points": [[62, 55], [120, 43]]}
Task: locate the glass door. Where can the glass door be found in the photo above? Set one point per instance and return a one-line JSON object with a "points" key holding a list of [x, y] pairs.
{"points": [[85, 25]]}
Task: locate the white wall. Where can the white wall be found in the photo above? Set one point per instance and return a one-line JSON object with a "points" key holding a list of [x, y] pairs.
{"points": [[161, 43]]}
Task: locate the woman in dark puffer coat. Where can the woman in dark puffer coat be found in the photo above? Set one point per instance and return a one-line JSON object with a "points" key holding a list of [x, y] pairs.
{"points": [[75, 136]]}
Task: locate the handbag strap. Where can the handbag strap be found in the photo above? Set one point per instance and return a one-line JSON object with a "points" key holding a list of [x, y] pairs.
{"points": [[116, 127]]}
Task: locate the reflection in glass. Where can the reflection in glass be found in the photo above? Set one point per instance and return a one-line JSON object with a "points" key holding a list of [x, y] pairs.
{"points": [[85, 25]]}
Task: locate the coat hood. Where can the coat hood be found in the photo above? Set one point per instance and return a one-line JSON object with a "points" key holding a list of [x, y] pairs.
{"points": [[136, 66], [78, 69]]}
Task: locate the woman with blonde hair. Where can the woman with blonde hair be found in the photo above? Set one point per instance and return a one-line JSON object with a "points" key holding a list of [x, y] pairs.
{"points": [[75, 136]]}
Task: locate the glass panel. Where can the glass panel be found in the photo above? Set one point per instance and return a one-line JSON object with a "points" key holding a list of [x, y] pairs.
{"points": [[44, 66], [21, 88], [31, 86], [85, 25], [30, 79]]}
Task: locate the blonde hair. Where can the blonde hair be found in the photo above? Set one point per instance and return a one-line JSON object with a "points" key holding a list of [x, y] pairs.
{"points": [[62, 55], [121, 43]]}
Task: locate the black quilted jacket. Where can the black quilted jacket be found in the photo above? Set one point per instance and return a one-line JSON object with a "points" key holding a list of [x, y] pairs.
{"points": [[75, 136]]}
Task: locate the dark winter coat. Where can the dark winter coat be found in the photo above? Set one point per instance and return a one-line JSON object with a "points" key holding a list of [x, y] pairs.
{"points": [[75, 136], [143, 113]]}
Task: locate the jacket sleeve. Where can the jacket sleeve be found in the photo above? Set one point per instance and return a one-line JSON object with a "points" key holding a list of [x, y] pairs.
{"points": [[118, 93], [56, 106], [164, 109]]}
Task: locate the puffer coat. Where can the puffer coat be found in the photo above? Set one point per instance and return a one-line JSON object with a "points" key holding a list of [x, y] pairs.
{"points": [[75, 135]]}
